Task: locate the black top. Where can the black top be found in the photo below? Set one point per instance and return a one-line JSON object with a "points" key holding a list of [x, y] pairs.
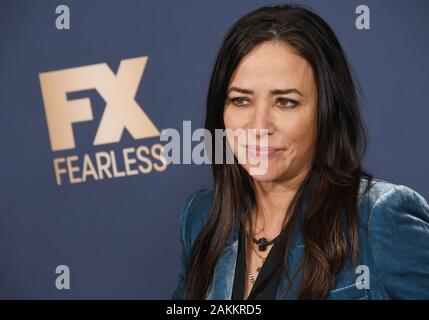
{"points": [[267, 281]]}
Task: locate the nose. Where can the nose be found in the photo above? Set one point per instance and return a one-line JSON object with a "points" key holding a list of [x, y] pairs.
{"points": [[261, 120]]}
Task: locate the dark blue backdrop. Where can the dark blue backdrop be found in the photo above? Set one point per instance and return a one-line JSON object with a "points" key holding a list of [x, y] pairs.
{"points": [[119, 237]]}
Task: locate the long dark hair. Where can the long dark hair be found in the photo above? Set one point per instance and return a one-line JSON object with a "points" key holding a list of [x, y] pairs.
{"points": [[329, 223]]}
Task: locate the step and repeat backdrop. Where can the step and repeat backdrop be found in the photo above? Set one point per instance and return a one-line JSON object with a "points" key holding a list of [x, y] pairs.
{"points": [[89, 208]]}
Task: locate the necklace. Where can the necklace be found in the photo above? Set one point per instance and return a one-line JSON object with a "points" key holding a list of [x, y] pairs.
{"points": [[259, 256], [262, 246], [251, 278], [263, 243]]}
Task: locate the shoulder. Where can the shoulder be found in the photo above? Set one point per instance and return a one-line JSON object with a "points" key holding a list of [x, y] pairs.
{"points": [[398, 231], [194, 214], [390, 202], [384, 193]]}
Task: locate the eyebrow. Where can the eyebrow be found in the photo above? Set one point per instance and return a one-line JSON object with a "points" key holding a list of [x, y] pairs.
{"points": [[277, 91]]}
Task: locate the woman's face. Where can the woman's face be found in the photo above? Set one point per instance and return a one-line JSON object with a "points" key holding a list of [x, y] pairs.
{"points": [[273, 88]]}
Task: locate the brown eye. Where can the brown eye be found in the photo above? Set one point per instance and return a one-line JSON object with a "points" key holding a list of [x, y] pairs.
{"points": [[239, 101], [286, 103]]}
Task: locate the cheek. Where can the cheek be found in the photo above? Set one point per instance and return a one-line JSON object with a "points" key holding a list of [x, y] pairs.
{"points": [[300, 132], [236, 121], [232, 120]]}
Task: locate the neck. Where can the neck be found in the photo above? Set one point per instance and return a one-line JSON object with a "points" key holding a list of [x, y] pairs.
{"points": [[274, 198]]}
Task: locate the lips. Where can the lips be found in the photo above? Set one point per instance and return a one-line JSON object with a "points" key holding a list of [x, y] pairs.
{"points": [[258, 151]]}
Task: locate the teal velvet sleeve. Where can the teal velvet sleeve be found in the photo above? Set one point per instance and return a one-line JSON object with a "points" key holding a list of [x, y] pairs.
{"points": [[399, 242]]}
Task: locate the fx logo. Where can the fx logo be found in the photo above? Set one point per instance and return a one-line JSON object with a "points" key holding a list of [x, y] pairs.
{"points": [[118, 90]]}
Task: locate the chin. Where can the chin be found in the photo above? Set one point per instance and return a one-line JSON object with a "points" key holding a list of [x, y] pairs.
{"points": [[268, 176]]}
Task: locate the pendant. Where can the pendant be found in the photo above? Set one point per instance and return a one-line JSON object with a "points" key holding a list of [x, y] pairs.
{"points": [[262, 244]]}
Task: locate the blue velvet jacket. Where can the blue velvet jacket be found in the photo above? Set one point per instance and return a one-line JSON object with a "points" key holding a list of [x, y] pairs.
{"points": [[393, 244]]}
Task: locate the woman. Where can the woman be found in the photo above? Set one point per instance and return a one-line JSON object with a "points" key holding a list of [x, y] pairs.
{"points": [[314, 225]]}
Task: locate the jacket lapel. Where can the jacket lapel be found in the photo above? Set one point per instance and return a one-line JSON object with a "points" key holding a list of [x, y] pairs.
{"points": [[223, 276], [294, 258]]}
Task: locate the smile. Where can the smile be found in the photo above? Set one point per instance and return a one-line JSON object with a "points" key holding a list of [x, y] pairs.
{"points": [[257, 151]]}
